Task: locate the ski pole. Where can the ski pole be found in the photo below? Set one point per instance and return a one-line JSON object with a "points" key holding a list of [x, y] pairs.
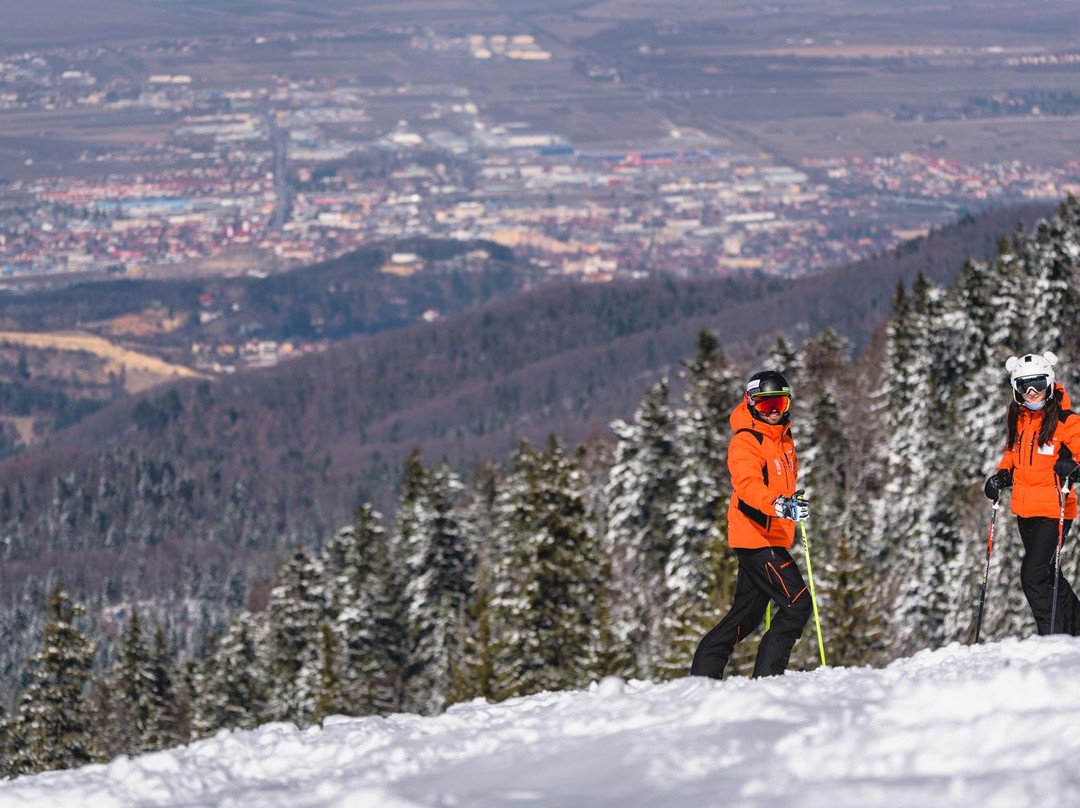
{"points": [[1057, 555], [986, 571], [813, 595]]}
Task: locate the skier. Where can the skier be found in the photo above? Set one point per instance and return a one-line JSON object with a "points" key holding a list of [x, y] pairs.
{"points": [[761, 529], [1042, 437]]}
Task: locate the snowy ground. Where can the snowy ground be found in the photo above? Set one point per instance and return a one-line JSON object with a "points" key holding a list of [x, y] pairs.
{"points": [[997, 725]]}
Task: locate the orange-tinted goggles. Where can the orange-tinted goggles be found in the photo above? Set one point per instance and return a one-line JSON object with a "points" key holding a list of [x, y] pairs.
{"points": [[771, 402]]}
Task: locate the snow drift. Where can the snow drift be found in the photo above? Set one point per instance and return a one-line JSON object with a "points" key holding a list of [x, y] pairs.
{"points": [[994, 725]]}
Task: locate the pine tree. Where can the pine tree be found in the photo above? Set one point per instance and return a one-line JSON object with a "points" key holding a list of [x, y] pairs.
{"points": [[228, 687], [476, 679], [132, 680], [437, 593], [547, 601], [853, 614], [1054, 295], [784, 358], [641, 494], [367, 601], [291, 654], [54, 726], [910, 515], [165, 726]]}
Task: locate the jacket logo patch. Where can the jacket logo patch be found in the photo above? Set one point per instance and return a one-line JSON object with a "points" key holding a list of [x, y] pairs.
{"points": [[1047, 449], [780, 470]]}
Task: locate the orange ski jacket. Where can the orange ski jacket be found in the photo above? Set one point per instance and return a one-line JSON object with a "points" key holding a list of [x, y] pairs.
{"points": [[1036, 489], [763, 466]]}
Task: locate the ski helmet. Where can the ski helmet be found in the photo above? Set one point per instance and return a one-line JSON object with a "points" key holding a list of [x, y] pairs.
{"points": [[1031, 372], [768, 391]]}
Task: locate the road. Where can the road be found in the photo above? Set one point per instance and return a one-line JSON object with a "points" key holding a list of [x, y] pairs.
{"points": [[280, 140]]}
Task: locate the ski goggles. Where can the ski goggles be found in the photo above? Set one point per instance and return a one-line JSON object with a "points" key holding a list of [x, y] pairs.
{"points": [[770, 402], [1028, 384]]}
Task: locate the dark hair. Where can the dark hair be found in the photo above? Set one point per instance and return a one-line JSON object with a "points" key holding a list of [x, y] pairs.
{"points": [[1051, 416]]}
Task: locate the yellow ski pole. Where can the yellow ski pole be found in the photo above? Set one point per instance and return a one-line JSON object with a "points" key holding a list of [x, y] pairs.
{"points": [[813, 595]]}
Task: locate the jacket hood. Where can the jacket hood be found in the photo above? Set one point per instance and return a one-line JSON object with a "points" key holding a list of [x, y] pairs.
{"points": [[741, 418]]}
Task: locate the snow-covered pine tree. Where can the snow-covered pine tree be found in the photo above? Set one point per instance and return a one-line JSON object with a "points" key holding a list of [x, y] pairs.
{"points": [[823, 475], [1053, 292], [411, 515], [131, 681], [700, 570], [53, 728], [438, 591], [847, 584], [481, 520], [968, 368], [228, 688], [291, 653], [907, 544], [546, 599], [784, 358], [854, 616], [641, 492], [366, 597], [165, 727], [1063, 260]]}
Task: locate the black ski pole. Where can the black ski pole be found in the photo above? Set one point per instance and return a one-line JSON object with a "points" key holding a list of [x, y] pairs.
{"points": [[986, 571], [1057, 555]]}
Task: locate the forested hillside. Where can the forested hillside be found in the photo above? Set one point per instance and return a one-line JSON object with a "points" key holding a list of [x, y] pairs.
{"points": [[184, 501], [558, 566], [354, 294], [220, 324]]}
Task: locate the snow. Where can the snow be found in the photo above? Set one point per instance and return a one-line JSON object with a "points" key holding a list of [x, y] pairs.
{"points": [[993, 725]]}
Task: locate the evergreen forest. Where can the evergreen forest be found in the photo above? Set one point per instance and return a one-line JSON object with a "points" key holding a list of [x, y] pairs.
{"points": [[565, 563]]}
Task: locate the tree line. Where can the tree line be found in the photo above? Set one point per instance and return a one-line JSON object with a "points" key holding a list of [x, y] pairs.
{"points": [[545, 573]]}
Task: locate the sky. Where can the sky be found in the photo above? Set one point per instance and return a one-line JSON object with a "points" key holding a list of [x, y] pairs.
{"points": [[971, 727]]}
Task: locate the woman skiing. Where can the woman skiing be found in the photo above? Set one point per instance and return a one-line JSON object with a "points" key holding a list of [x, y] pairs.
{"points": [[1042, 438], [761, 528]]}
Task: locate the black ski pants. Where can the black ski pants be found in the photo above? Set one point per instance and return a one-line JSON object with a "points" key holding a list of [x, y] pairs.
{"points": [[1040, 537], [765, 574]]}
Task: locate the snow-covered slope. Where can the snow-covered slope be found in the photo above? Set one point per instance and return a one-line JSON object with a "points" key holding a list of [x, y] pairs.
{"points": [[996, 725]]}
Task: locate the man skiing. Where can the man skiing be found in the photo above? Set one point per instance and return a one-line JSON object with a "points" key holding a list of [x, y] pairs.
{"points": [[761, 529]]}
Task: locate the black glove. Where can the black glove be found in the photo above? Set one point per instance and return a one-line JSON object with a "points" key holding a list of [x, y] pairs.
{"points": [[1067, 468], [796, 508], [997, 483]]}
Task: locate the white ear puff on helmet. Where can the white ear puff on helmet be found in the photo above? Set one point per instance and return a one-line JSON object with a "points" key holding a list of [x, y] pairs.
{"points": [[1030, 366]]}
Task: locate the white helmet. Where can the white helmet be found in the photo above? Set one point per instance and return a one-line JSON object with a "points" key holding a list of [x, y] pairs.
{"points": [[1031, 370]]}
